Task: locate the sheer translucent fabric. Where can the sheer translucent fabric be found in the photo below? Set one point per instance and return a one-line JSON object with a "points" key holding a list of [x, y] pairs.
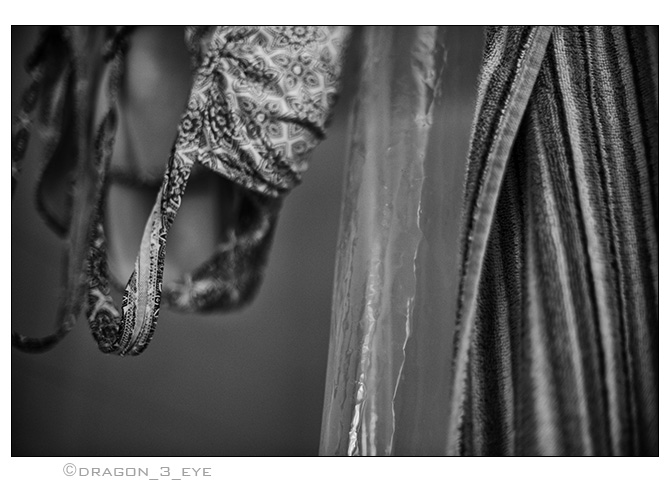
{"points": [[387, 386]]}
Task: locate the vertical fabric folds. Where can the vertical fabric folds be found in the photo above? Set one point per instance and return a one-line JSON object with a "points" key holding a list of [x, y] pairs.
{"points": [[556, 309], [375, 273], [557, 348]]}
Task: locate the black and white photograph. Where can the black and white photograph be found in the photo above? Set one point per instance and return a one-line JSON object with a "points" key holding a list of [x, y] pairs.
{"points": [[260, 241]]}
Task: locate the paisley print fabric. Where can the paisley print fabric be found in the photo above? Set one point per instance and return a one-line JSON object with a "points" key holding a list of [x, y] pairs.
{"points": [[259, 104], [261, 100]]}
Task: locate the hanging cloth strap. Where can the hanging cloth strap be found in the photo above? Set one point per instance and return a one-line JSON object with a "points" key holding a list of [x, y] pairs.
{"points": [[258, 106], [63, 63]]}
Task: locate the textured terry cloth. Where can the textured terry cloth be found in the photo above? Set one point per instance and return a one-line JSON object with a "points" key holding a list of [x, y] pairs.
{"points": [[258, 106], [557, 349]]}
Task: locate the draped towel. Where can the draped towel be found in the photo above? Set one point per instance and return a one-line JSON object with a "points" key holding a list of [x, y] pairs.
{"points": [[557, 349]]}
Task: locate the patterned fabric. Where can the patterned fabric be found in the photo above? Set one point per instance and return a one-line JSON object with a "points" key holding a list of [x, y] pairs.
{"points": [[258, 106], [558, 307], [260, 102]]}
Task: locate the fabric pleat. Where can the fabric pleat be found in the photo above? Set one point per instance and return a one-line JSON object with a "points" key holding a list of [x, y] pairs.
{"points": [[558, 317]]}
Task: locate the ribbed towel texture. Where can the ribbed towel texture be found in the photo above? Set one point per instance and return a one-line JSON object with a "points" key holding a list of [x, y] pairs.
{"points": [[557, 347]]}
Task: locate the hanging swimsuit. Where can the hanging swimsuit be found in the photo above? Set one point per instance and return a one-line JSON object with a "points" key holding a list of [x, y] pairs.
{"points": [[258, 105]]}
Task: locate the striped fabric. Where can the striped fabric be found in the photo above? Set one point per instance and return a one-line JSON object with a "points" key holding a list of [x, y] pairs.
{"points": [[557, 347]]}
